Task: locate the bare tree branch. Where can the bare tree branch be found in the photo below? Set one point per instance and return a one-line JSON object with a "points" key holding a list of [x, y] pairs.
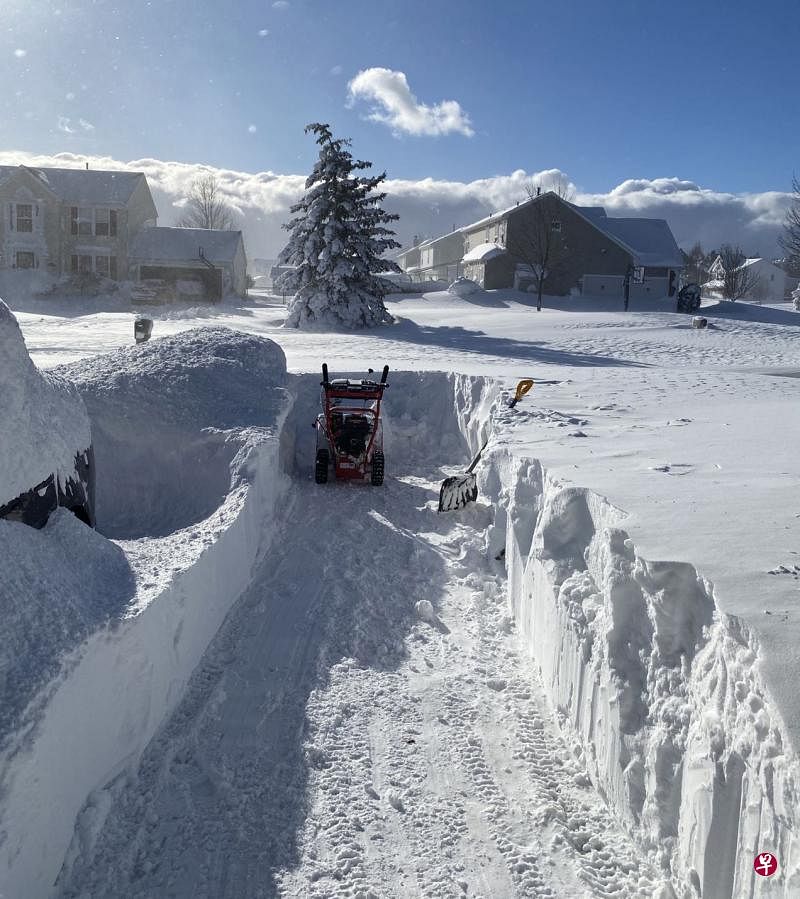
{"points": [[537, 241], [738, 280], [556, 183], [790, 239], [205, 207]]}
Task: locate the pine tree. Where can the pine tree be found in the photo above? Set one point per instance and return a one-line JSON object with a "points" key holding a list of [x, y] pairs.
{"points": [[337, 240]]}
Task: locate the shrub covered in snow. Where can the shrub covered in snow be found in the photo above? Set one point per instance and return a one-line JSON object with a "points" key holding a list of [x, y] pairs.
{"points": [[463, 287], [338, 237]]}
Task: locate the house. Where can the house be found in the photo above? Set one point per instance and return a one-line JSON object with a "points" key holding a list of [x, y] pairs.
{"points": [[766, 282], [440, 259], [194, 262], [586, 250], [71, 220], [408, 260]]}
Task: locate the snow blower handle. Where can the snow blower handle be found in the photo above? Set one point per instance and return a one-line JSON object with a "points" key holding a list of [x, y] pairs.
{"points": [[522, 388], [385, 374], [325, 381]]}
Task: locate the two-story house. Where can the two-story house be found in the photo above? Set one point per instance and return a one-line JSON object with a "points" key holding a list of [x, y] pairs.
{"points": [[71, 220]]}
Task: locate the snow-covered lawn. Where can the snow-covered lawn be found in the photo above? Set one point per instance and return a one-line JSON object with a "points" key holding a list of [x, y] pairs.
{"points": [[644, 493]]}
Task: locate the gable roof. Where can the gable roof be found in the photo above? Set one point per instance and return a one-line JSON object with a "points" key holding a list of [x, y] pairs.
{"points": [[172, 244], [90, 186], [650, 240]]}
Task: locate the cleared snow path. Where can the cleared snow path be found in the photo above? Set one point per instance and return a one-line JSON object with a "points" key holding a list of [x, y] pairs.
{"points": [[341, 739]]}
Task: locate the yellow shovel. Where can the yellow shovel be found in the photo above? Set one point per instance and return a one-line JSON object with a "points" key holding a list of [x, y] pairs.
{"points": [[460, 489]]}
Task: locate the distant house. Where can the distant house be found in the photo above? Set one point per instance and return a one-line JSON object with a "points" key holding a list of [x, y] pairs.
{"points": [[440, 258], [71, 220], [408, 260], [596, 254], [196, 262], [768, 281]]}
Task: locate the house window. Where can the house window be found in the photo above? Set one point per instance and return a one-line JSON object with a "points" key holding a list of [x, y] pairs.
{"points": [[24, 217], [555, 225], [25, 259], [81, 264], [81, 220], [105, 222], [106, 266]]}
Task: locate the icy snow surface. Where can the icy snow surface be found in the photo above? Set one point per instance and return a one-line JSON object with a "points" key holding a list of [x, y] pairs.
{"points": [[348, 741]]}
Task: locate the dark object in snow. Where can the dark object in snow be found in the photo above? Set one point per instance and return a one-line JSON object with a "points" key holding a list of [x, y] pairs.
{"points": [[458, 490], [699, 322], [349, 430], [689, 298], [142, 329], [74, 492]]}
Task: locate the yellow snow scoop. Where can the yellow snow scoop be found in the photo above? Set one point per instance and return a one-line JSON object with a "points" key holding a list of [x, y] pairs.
{"points": [[460, 489]]}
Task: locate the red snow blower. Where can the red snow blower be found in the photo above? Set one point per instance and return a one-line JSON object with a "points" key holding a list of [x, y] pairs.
{"points": [[349, 431]]}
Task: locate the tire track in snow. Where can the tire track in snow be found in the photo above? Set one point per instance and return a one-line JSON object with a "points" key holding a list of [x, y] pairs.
{"points": [[331, 745]]}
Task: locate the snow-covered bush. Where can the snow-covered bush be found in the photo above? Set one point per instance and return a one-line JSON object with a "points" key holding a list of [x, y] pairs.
{"points": [[463, 287], [338, 237]]}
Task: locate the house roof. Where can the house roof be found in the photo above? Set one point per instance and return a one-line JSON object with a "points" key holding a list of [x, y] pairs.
{"points": [[483, 252], [173, 244], [650, 240], [92, 186]]}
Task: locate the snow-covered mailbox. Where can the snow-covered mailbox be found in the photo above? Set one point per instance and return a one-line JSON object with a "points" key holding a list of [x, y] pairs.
{"points": [[46, 456]]}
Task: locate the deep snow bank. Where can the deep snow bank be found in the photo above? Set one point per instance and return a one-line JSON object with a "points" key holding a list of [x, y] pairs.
{"points": [[121, 649], [661, 691], [42, 421]]}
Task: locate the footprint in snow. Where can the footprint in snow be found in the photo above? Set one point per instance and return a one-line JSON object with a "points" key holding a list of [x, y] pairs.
{"points": [[674, 468]]}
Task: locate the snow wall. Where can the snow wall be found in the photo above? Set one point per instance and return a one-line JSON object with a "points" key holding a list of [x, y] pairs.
{"points": [[659, 691], [193, 478]]}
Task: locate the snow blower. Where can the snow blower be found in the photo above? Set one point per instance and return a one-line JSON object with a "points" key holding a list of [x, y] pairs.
{"points": [[460, 489], [349, 430]]}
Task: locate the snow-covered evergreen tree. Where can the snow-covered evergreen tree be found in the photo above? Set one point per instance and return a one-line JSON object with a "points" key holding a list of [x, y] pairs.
{"points": [[337, 241]]}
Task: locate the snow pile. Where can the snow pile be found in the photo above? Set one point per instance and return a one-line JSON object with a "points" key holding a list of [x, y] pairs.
{"points": [[116, 630], [464, 287], [166, 421], [44, 424], [662, 692]]}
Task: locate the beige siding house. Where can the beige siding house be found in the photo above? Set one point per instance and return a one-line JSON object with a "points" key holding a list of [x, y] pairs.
{"points": [[71, 220], [193, 262], [440, 258]]}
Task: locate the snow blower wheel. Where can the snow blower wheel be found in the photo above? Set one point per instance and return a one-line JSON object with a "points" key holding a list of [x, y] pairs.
{"points": [[349, 430], [321, 467], [376, 476]]}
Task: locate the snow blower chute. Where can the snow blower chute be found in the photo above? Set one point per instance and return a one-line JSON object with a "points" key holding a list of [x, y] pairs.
{"points": [[349, 431], [460, 489]]}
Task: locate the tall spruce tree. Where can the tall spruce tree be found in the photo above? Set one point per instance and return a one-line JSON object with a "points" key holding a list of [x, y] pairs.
{"points": [[337, 240]]}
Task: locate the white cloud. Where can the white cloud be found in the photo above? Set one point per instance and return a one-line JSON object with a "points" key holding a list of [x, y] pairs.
{"points": [[394, 105], [264, 32], [336, 70], [20, 53], [64, 125], [431, 207], [252, 129], [87, 126], [280, 4]]}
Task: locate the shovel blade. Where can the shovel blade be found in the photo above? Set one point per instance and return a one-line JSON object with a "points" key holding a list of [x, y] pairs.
{"points": [[457, 491]]}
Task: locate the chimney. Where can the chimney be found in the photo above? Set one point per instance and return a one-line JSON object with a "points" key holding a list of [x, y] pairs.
{"points": [[538, 191], [87, 166], [454, 227]]}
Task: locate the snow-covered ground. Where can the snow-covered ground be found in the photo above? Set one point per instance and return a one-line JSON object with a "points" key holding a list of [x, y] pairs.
{"points": [[633, 564]]}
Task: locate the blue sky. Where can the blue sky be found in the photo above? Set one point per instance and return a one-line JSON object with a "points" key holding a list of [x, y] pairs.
{"points": [[603, 91]]}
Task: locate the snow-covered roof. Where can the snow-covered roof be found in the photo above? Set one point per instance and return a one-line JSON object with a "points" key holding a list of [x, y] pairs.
{"points": [[650, 240], [484, 252], [90, 186], [174, 244]]}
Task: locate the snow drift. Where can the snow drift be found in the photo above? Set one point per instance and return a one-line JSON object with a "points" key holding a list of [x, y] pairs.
{"points": [[661, 692], [102, 636]]}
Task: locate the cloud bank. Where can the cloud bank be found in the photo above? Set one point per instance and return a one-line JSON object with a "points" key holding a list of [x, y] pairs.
{"points": [[429, 207], [393, 104]]}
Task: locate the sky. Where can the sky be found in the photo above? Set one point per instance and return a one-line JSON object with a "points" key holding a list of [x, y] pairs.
{"points": [[612, 94]]}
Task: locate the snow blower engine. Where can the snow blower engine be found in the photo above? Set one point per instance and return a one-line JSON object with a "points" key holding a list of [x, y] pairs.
{"points": [[349, 432]]}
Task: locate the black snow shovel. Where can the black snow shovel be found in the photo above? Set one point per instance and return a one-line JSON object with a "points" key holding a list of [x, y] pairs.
{"points": [[460, 489]]}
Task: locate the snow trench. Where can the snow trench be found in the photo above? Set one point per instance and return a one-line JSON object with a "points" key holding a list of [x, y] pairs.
{"points": [[660, 691], [193, 484]]}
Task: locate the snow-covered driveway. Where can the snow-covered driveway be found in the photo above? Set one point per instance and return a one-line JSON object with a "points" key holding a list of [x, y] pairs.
{"points": [[336, 740]]}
